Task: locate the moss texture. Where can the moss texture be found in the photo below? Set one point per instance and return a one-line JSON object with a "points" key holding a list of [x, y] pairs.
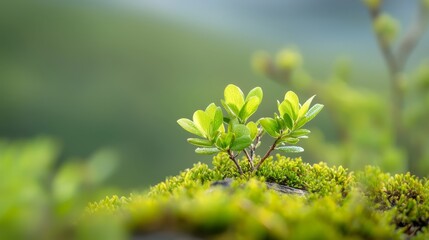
{"points": [[339, 204]]}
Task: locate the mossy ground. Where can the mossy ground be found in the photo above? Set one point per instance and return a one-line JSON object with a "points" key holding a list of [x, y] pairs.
{"points": [[339, 205]]}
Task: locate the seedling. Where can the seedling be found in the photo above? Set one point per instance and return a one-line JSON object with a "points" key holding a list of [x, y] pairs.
{"points": [[234, 134]]}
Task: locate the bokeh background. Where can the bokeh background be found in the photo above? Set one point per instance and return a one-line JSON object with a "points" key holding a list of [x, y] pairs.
{"points": [[114, 76]]}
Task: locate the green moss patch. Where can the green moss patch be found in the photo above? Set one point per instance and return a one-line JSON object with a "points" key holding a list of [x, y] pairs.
{"points": [[339, 204]]}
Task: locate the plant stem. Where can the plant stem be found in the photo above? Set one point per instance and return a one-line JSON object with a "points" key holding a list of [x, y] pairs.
{"points": [[249, 158], [267, 154], [232, 157], [395, 65]]}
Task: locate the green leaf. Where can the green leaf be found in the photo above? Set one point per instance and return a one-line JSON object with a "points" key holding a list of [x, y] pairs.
{"points": [[202, 122], [249, 108], [218, 120], [290, 140], [224, 140], [211, 110], [290, 149], [189, 126], [207, 151], [286, 108], [230, 108], [294, 100], [301, 122], [256, 92], [240, 130], [270, 126], [313, 111], [300, 133], [253, 129], [304, 108], [200, 142], [233, 95], [288, 121], [241, 143], [242, 137]]}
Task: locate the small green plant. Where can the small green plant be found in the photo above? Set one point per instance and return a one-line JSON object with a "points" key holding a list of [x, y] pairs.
{"points": [[241, 135]]}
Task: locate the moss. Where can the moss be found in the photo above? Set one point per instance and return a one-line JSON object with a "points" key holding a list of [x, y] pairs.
{"points": [[339, 205]]}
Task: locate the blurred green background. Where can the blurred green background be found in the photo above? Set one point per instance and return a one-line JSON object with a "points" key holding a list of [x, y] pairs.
{"points": [[117, 75]]}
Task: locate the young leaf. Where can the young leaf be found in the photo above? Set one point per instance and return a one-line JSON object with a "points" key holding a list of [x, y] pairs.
{"points": [[313, 111], [286, 108], [218, 121], [249, 108], [241, 143], [224, 140], [253, 129], [256, 92], [202, 122], [290, 140], [270, 126], [207, 151], [189, 126], [304, 108], [240, 130], [242, 137], [233, 95], [288, 121], [290, 149], [200, 142], [294, 100], [300, 133]]}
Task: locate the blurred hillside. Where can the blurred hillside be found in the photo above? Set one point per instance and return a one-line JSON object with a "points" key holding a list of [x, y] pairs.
{"points": [[119, 75]]}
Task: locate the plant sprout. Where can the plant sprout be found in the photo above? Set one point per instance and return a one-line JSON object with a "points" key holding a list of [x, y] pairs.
{"points": [[234, 134]]}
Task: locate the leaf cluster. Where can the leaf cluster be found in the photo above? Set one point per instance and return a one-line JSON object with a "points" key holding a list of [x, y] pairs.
{"points": [[241, 135]]}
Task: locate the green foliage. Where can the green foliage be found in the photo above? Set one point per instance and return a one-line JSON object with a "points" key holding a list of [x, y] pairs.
{"points": [[339, 204], [40, 200], [285, 127]]}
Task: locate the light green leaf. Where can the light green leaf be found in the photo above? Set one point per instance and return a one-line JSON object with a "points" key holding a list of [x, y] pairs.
{"points": [[233, 95], [294, 100], [304, 108], [242, 137], [231, 109], [189, 126], [300, 132], [240, 130], [253, 129], [211, 110], [200, 142], [222, 141], [241, 143], [256, 92], [207, 151], [270, 126], [202, 122], [290, 140], [249, 108], [290, 149], [286, 108], [288, 121], [301, 122], [218, 121], [313, 111]]}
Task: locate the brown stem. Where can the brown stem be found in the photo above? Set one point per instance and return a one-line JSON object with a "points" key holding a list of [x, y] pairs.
{"points": [[249, 158], [267, 154], [415, 32], [232, 157]]}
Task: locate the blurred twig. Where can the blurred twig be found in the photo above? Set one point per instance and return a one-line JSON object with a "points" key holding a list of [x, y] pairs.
{"points": [[396, 65]]}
